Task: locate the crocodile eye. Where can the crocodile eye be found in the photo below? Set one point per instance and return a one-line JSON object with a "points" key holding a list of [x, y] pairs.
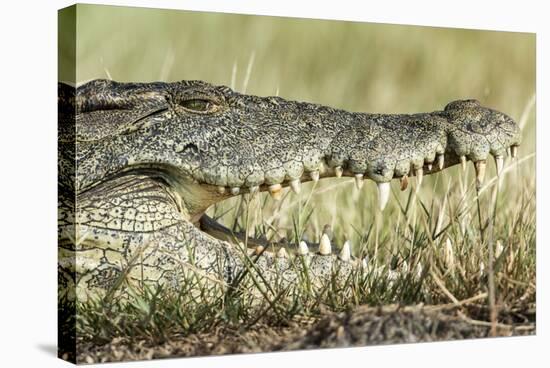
{"points": [[199, 105]]}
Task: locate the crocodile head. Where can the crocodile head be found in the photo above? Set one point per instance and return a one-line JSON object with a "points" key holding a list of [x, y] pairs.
{"points": [[209, 142]]}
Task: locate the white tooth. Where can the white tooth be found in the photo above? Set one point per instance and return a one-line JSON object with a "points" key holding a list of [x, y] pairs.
{"points": [[440, 162], [322, 166], [259, 249], [339, 171], [324, 245], [508, 152], [429, 167], [419, 176], [221, 190], [296, 185], [383, 194], [499, 162], [345, 253], [235, 190], [302, 248], [359, 181], [463, 162], [314, 175], [514, 151], [480, 167], [282, 253], [254, 189], [276, 191]]}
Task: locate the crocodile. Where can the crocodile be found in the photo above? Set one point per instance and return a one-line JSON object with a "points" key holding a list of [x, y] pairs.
{"points": [[140, 163]]}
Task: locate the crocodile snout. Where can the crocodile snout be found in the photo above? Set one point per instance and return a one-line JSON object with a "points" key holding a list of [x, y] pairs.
{"points": [[476, 131], [322, 142]]}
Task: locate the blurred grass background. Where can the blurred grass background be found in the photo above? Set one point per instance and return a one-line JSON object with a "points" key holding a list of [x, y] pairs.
{"points": [[350, 65], [356, 66]]}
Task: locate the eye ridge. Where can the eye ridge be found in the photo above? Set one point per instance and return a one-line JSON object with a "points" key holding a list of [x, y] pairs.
{"points": [[199, 105]]}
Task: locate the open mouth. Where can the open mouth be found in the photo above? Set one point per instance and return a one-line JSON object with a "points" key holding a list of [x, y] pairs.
{"points": [[235, 200]]}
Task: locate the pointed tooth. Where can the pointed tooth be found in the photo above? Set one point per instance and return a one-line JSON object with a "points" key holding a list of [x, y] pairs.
{"points": [[359, 181], [235, 190], [221, 189], [323, 166], [404, 182], [254, 189], [324, 246], [514, 151], [419, 176], [480, 167], [508, 152], [345, 253], [296, 186], [282, 253], [383, 194], [440, 161], [258, 250], [314, 175], [463, 162], [276, 191], [429, 166], [339, 171], [499, 163], [303, 248]]}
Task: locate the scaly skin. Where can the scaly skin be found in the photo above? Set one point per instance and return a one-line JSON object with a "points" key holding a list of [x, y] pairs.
{"points": [[147, 159]]}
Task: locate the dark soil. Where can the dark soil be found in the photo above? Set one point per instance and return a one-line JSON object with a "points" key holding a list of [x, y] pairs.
{"points": [[359, 327]]}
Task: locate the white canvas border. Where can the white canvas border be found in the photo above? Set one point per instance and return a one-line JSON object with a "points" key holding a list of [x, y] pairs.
{"points": [[28, 180]]}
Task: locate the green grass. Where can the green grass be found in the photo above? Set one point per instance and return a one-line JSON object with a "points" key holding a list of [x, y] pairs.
{"points": [[446, 244]]}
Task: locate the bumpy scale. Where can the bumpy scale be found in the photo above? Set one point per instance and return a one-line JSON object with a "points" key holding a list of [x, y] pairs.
{"points": [[139, 164]]}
